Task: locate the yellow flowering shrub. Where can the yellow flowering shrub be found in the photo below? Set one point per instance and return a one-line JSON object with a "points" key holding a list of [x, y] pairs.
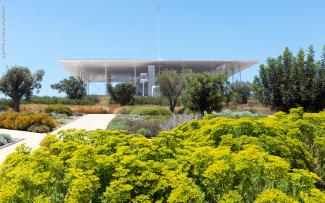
{"points": [[22, 121], [274, 159]]}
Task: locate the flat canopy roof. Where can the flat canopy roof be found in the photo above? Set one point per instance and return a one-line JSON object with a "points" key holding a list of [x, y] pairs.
{"points": [[95, 69]]}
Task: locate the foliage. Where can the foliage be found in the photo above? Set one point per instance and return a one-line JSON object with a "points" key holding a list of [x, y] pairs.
{"points": [[122, 93], [292, 81], [23, 121], [241, 91], [53, 100], [172, 83], [175, 121], [5, 139], [237, 114], [89, 109], [39, 128], [3, 107], [149, 127], [148, 110], [118, 124], [58, 108], [123, 110], [19, 82], [206, 93], [148, 100], [75, 88], [60, 100], [211, 160]]}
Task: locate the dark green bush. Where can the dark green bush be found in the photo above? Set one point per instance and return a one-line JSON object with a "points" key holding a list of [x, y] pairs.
{"points": [[5, 139], [39, 129], [122, 93], [58, 108], [150, 111], [3, 107]]}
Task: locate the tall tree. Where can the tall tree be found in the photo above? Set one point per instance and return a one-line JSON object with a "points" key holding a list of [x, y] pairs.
{"points": [[172, 83], [19, 82], [74, 87], [288, 81], [206, 93]]}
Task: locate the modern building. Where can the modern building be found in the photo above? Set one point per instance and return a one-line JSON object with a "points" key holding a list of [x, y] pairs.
{"points": [[142, 73]]}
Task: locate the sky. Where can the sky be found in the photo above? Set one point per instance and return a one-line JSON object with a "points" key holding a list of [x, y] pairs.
{"points": [[40, 32]]}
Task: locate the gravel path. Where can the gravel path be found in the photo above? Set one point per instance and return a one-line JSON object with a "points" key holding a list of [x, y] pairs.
{"points": [[88, 122]]}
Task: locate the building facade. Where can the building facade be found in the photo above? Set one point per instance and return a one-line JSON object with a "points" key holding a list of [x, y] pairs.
{"points": [[142, 73]]}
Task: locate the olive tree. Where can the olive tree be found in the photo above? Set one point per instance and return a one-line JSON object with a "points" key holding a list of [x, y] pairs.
{"points": [[73, 87], [172, 83], [19, 82], [206, 93]]}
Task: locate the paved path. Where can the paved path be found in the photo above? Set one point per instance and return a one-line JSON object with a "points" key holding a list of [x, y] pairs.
{"points": [[30, 139], [88, 122]]}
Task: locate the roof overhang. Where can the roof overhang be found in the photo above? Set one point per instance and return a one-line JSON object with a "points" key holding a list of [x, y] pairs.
{"points": [[95, 69]]}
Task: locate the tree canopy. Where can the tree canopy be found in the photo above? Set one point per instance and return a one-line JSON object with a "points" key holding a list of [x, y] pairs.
{"points": [[172, 83], [19, 82], [241, 91], [122, 93], [74, 87], [292, 81], [206, 92]]}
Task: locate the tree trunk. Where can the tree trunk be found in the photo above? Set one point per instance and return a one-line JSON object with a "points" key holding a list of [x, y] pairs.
{"points": [[16, 105], [170, 104]]}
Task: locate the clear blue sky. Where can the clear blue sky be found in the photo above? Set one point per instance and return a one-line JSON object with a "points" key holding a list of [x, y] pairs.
{"points": [[41, 32]]}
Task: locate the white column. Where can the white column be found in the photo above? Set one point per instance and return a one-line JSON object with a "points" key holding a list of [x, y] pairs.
{"points": [[106, 92], [151, 78], [135, 76]]}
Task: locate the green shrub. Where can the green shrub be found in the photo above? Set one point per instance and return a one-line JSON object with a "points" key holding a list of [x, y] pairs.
{"points": [[122, 93], [118, 124], [126, 110], [148, 110], [53, 100], [3, 107], [148, 100], [206, 93], [38, 128], [58, 108], [5, 139]]}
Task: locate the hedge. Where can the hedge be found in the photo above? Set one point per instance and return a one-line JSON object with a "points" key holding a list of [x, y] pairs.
{"points": [[58, 108], [53, 100], [148, 110]]}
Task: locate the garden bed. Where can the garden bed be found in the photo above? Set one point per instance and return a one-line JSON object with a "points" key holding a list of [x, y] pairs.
{"points": [[14, 141], [31, 122]]}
